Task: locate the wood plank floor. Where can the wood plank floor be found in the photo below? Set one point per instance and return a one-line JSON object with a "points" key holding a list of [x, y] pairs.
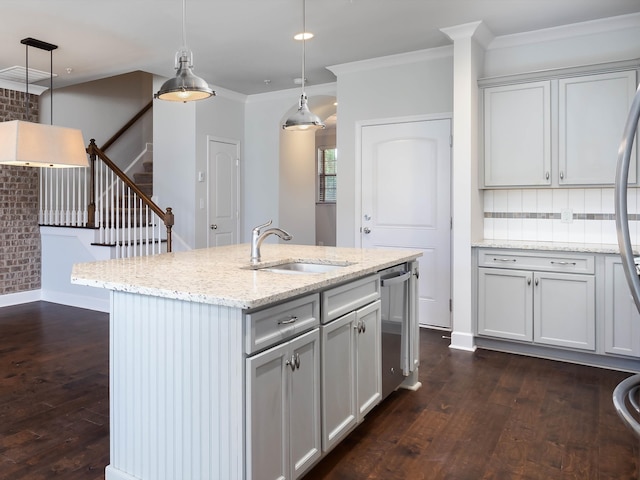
{"points": [[486, 415]]}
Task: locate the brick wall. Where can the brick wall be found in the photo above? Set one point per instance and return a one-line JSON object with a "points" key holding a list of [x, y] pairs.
{"points": [[19, 232]]}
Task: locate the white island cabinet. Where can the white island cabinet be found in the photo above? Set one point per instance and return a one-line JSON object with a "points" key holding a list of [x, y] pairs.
{"points": [[215, 365]]}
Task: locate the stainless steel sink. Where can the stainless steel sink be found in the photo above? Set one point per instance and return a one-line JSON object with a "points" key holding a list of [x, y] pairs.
{"points": [[303, 267]]}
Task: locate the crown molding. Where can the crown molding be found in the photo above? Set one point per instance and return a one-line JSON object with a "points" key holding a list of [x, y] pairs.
{"points": [[393, 60], [591, 27]]}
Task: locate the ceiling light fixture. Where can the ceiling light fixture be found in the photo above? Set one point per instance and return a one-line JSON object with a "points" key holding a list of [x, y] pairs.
{"points": [[303, 119], [185, 86], [30, 144]]}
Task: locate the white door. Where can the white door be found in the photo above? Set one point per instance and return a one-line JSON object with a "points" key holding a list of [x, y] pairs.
{"points": [[406, 170], [222, 166]]}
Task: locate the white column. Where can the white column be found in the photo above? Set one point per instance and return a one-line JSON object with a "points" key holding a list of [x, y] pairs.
{"points": [[469, 42]]}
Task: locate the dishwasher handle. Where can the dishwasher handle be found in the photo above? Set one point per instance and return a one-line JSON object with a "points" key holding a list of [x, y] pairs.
{"points": [[394, 278]]}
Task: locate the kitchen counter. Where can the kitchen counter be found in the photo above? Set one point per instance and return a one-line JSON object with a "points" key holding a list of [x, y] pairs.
{"points": [[605, 248], [180, 369], [224, 275]]}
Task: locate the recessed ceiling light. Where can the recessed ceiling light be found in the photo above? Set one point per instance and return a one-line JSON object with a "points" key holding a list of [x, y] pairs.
{"points": [[303, 36]]}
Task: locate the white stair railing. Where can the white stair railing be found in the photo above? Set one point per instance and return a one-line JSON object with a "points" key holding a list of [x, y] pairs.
{"points": [[104, 198]]}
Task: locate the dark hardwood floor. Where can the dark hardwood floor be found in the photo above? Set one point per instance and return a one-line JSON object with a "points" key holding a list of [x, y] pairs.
{"points": [[486, 415]]}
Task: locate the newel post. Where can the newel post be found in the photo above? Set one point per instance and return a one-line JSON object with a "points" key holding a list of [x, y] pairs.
{"points": [[91, 209], [168, 222]]}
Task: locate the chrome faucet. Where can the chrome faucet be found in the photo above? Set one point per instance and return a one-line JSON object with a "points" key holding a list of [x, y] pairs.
{"points": [[257, 237]]}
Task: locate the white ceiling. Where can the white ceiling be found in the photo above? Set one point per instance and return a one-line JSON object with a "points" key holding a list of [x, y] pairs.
{"points": [[238, 44]]}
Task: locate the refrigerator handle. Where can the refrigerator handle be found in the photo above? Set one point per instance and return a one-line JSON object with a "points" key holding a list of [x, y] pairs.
{"points": [[620, 200]]}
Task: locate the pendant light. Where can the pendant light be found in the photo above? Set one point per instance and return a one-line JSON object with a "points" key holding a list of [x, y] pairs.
{"points": [[30, 144], [185, 86], [303, 119]]}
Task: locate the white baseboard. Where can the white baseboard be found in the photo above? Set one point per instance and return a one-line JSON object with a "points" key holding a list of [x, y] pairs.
{"points": [[463, 341], [111, 473], [99, 304], [20, 297]]}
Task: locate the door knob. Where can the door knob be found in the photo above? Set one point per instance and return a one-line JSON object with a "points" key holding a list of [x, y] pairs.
{"points": [[214, 226], [366, 230]]}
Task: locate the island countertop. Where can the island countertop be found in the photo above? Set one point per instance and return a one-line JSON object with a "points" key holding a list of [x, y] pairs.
{"points": [[225, 276]]}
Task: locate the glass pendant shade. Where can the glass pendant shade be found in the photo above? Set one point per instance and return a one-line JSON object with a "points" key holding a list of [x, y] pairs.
{"points": [[39, 145], [303, 119], [185, 86]]}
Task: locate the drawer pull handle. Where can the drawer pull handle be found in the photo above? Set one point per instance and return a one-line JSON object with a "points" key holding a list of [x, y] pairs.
{"points": [[528, 281], [297, 360], [290, 320], [504, 259], [563, 263], [536, 282]]}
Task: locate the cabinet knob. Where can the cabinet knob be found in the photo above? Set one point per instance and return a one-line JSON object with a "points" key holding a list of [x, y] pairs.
{"points": [[561, 175], [528, 281], [546, 176], [213, 226], [536, 282], [366, 230]]}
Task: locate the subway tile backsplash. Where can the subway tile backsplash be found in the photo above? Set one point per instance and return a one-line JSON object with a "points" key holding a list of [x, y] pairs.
{"points": [[537, 215]]}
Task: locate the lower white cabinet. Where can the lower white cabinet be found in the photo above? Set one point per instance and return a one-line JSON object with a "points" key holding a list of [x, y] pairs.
{"points": [[621, 319], [351, 371], [544, 305], [283, 409]]}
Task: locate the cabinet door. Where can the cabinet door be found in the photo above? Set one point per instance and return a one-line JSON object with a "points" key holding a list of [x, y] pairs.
{"points": [[304, 405], [564, 310], [592, 113], [369, 358], [267, 416], [517, 135], [339, 414], [621, 320], [505, 303]]}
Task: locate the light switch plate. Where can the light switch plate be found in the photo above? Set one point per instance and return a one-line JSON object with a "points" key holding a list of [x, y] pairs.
{"points": [[566, 215]]}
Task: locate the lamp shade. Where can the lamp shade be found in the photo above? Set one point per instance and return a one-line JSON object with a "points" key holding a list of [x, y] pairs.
{"points": [[41, 145], [303, 119], [185, 86]]}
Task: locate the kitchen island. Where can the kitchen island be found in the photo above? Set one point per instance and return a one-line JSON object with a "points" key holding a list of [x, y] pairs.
{"points": [[184, 331]]}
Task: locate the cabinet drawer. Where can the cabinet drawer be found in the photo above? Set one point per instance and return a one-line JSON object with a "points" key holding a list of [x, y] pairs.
{"points": [[547, 262], [349, 297], [270, 326]]}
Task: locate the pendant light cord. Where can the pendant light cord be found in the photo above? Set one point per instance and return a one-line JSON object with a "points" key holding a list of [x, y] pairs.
{"points": [[304, 40], [184, 24], [27, 79]]}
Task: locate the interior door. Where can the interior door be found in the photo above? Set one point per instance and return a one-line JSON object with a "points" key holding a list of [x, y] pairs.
{"points": [[222, 166], [406, 171]]}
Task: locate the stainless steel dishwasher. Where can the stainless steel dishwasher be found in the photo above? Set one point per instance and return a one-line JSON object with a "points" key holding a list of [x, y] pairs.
{"points": [[398, 315]]}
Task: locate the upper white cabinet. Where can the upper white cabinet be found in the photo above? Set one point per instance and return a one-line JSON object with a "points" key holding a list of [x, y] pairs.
{"points": [[592, 111], [563, 130], [517, 135]]}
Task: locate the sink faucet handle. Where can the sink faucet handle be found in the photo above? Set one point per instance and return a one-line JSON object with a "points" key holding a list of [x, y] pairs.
{"points": [[260, 227]]}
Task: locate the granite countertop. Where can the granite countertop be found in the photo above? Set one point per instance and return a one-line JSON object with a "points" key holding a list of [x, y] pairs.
{"points": [[552, 246], [224, 275]]}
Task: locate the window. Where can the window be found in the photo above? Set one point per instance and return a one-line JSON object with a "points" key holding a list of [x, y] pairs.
{"points": [[327, 165]]}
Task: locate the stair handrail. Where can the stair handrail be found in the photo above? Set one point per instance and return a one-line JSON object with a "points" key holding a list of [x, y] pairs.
{"points": [[94, 152], [126, 126]]}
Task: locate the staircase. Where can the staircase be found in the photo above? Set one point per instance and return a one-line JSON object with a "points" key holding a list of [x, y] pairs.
{"points": [[114, 203], [144, 179]]}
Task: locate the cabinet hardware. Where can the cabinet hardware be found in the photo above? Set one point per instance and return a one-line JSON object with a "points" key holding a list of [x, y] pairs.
{"points": [[536, 282], [561, 175], [366, 230], [546, 176], [214, 226], [504, 259], [297, 360], [291, 319], [563, 263], [528, 281], [291, 362]]}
